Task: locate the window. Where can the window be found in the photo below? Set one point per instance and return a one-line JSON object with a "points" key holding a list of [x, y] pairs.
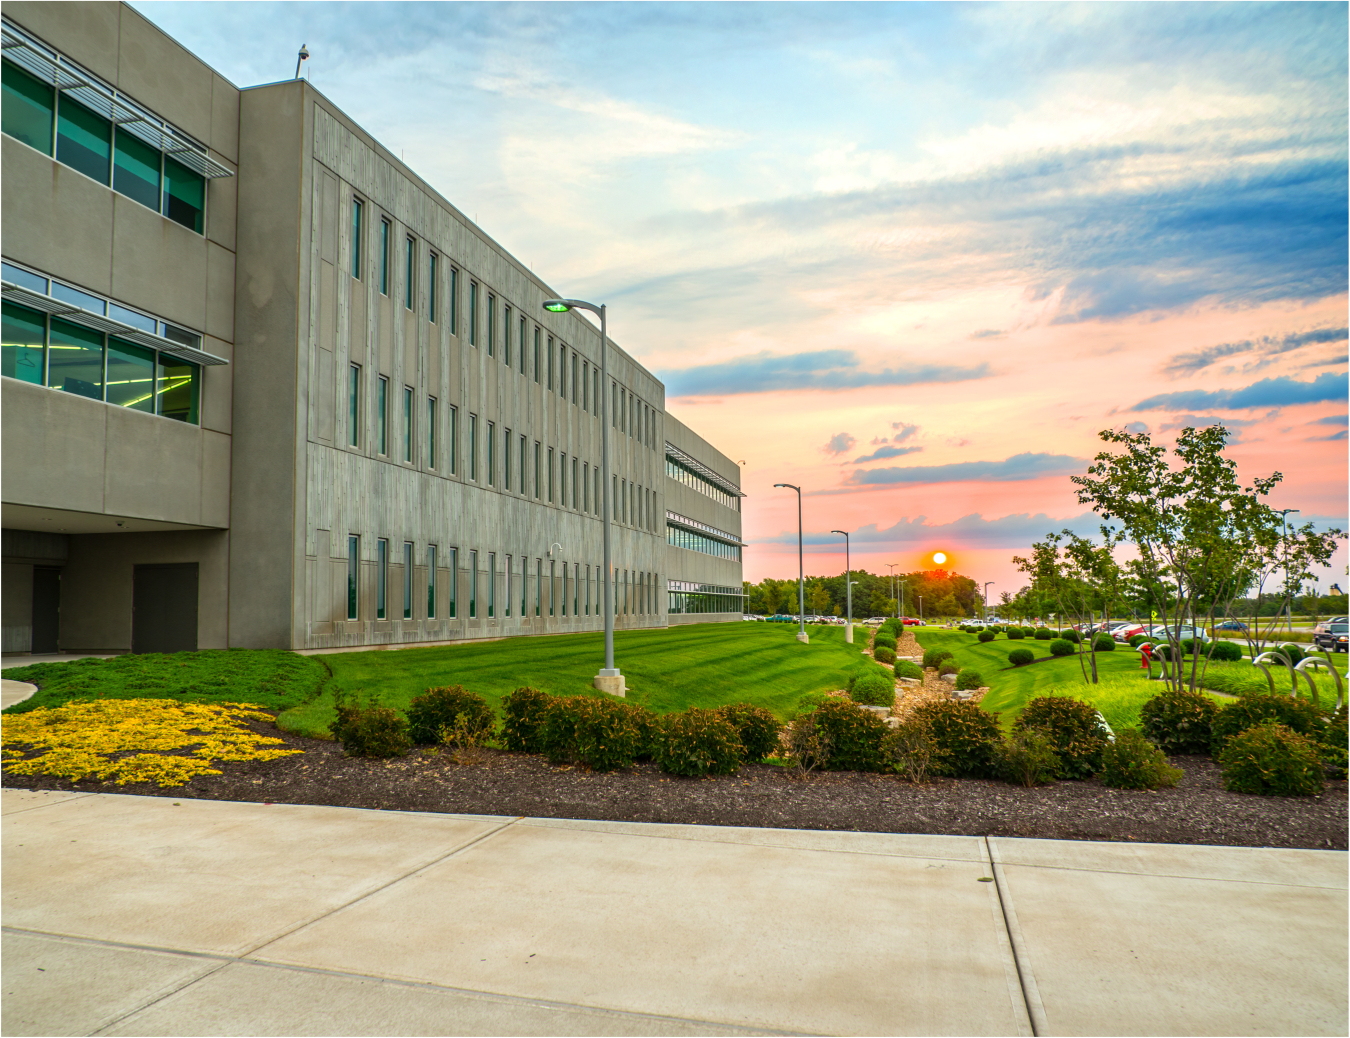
{"points": [[588, 590], [506, 574], [473, 585], [522, 345], [454, 582], [136, 170], [431, 581], [585, 386], [381, 577], [492, 584], [564, 589], [641, 505], [576, 593], [595, 386], [25, 342], [384, 256], [595, 473], [549, 385], [454, 301], [492, 325], [353, 405], [574, 378], [83, 139], [585, 486], [562, 480], [614, 498], [536, 354], [473, 313], [75, 359], [614, 404], [431, 432], [524, 586], [491, 453], [410, 273], [454, 439], [550, 475], [506, 336], [473, 447], [628, 416], [353, 574], [131, 376], [407, 424], [407, 579], [562, 371], [382, 414], [537, 484], [575, 503], [356, 238], [523, 488], [29, 108], [431, 287], [552, 581], [538, 586]]}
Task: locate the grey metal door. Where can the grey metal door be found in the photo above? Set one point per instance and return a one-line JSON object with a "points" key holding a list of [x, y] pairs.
{"points": [[46, 609], [164, 608]]}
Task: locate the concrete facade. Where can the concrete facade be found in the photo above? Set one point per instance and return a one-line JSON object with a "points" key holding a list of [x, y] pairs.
{"points": [[319, 323]]}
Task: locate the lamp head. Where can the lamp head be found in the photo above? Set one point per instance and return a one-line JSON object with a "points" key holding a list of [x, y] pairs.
{"points": [[557, 306], [843, 532]]}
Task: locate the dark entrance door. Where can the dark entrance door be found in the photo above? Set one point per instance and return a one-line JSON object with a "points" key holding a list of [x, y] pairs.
{"points": [[164, 608], [46, 609]]}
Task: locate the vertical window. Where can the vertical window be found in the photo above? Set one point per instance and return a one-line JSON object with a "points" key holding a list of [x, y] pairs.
{"points": [[136, 170], [575, 500], [454, 301], [524, 585], [492, 325], [431, 581], [407, 579], [585, 386], [131, 376], [492, 584], [29, 108], [536, 354], [384, 257], [552, 580], [407, 424], [75, 359], [550, 475], [538, 586], [506, 336], [522, 345], [562, 481], [641, 507], [454, 439], [537, 484], [353, 405], [506, 460], [614, 404], [382, 414], [178, 389], [473, 447], [353, 574], [381, 578], [454, 583], [614, 498], [576, 593], [549, 384], [432, 285], [585, 486], [595, 473], [523, 488], [473, 585], [491, 453], [588, 590], [473, 313], [506, 589], [431, 432], [184, 195], [25, 339], [595, 394], [574, 378], [409, 273], [83, 139], [564, 589], [562, 371], [356, 238]]}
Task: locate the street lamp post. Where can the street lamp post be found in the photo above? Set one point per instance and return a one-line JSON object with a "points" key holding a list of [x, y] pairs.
{"points": [[986, 598], [920, 597], [848, 590], [901, 604], [801, 569], [609, 679], [891, 566]]}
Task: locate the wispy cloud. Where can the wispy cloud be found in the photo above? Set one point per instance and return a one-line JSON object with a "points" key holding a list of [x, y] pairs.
{"points": [[1333, 419], [974, 530], [1267, 347], [822, 369], [838, 443], [1269, 392], [1020, 466], [903, 431], [882, 453]]}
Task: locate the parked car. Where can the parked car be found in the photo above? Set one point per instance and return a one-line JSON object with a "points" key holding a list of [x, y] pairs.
{"points": [[1123, 632], [1336, 637], [875, 621], [909, 621], [1325, 625], [1162, 633], [1231, 625]]}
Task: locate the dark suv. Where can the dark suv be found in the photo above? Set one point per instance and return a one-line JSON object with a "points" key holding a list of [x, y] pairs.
{"points": [[1335, 637]]}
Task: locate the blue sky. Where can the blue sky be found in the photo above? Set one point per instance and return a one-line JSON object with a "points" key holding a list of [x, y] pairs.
{"points": [[1000, 227]]}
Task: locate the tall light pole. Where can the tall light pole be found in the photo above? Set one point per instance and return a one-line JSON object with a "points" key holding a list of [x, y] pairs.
{"points": [[801, 568], [891, 566], [609, 679], [986, 598], [1284, 551], [901, 604], [848, 590]]}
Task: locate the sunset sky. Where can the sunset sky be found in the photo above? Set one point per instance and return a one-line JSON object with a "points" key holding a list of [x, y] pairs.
{"points": [[912, 257]]}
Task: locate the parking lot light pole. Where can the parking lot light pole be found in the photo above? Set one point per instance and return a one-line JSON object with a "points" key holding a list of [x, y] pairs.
{"points": [[848, 590], [920, 610], [801, 569], [891, 566], [901, 604], [609, 679], [986, 599]]}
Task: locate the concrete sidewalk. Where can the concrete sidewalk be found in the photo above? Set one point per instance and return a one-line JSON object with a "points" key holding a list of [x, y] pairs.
{"points": [[141, 915]]}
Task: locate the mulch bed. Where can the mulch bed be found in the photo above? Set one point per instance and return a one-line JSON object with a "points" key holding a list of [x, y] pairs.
{"points": [[1197, 811]]}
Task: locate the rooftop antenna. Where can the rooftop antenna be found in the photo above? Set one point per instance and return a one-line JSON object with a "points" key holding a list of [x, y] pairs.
{"points": [[304, 54]]}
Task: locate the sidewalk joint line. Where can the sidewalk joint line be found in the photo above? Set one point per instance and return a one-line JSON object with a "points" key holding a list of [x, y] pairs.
{"points": [[1170, 875], [1031, 995], [70, 798]]}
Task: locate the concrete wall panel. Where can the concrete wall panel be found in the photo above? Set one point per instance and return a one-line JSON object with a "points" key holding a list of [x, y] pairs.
{"points": [[164, 76], [224, 119], [215, 479], [154, 467], [159, 265], [219, 292], [86, 32], [222, 206], [54, 448], [16, 607], [218, 388]]}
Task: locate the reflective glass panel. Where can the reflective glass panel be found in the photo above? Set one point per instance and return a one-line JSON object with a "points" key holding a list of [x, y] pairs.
{"points": [[75, 360], [83, 139], [76, 297], [184, 195], [28, 105], [18, 276], [179, 389], [136, 170], [131, 317], [24, 332], [131, 376]]}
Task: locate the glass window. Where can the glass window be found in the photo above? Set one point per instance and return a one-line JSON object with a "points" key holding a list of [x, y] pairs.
{"points": [[384, 257], [75, 361], [454, 301], [492, 325], [550, 475], [407, 579], [536, 354], [524, 585], [473, 313], [77, 297], [25, 334], [24, 278], [491, 453], [407, 424], [574, 378], [473, 585], [182, 335], [537, 486], [83, 139], [431, 288], [381, 578], [131, 317], [506, 462], [431, 432], [28, 108], [179, 389], [506, 576], [575, 499], [136, 170], [454, 582], [585, 486], [382, 414], [522, 345], [353, 574], [354, 405], [431, 581], [552, 581], [562, 371], [131, 376], [562, 480], [492, 584], [410, 273], [523, 488], [357, 209], [549, 384], [538, 587], [473, 447], [184, 194], [585, 386], [506, 336], [595, 390]]}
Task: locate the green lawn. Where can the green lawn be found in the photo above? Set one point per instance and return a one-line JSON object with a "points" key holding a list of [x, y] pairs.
{"points": [[667, 670], [271, 678]]}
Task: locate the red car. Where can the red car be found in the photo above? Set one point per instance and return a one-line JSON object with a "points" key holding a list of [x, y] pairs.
{"points": [[909, 621]]}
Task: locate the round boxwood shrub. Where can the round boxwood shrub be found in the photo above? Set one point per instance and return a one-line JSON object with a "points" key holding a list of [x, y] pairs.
{"points": [[1074, 730], [986, 636], [948, 667], [968, 679], [1016, 634], [873, 687], [1294, 653], [1179, 722], [1043, 634], [1270, 759], [908, 669], [1103, 643], [854, 736], [445, 708], [756, 727], [1021, 657], [1137, 640], [370, 731], [1225, 652], [597, 731], [1334, 744], [1030, 632], [932, 657], [884, 641], [963, 737], [1070, 635], [883, 655], [1132, 762], [699, 742], [524, 711], [1061, 647], [1298, 715]]}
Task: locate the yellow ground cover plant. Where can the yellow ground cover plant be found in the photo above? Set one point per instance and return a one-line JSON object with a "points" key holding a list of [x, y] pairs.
{"points": [[136, 740]]}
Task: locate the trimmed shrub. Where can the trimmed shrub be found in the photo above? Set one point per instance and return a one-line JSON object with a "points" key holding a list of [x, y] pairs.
{"points": [[1043, 634], [525, 711], [1179, 722], [884, 641], [598, 732], [1132, 762], [908, 750], [1026, 758], [1103, 643], [1334, 749], [1021, 657], [1060, 647], [933, 657], [1270, 759], [755, 727], [948, 667], [1137, 640], [370, 731], [908, 669], [450, 707], [1294, 653], [1016, 634], [699, 742], [963, 736], [873, 687], [1225, 652], [854, 736], [1074, 729], [1029, 632], [1296, 714], [986, 636], [1070, 635], [807, 743], [883, 655], [968, 679]]}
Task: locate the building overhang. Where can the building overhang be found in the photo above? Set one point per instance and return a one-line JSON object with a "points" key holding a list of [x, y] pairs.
{"points": [[59, 520], [712, 476]]}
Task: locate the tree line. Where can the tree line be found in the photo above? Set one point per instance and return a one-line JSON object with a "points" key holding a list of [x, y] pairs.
{"points": [[944, 595]]}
